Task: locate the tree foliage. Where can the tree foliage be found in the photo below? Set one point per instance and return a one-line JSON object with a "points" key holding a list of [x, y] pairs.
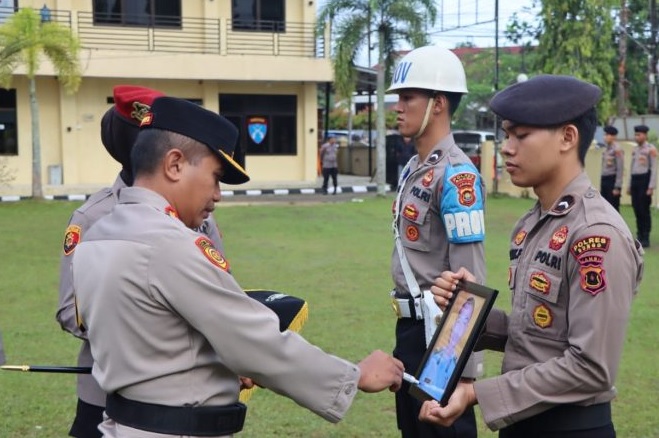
{"points": [[24, 41], [385, 23]]}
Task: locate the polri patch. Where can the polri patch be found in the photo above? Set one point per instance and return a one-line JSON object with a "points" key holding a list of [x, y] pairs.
{"points": [[542, 316], [412, 233], [590, 243], [559, 238], [71, 238], [540, 282], [213, 255], [428, 178], [519, 237], [411, 212], [169, 211], [593, 275], [464, 182]]}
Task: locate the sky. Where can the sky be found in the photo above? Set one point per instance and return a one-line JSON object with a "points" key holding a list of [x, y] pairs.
{"points": [[457, 22]]}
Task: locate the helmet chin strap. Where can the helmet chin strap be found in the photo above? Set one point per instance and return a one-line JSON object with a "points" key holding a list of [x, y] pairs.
{"points": [[426, 117]]}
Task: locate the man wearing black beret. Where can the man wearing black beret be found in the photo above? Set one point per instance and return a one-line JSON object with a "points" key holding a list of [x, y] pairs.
{"points": [[574, 269], [642, 182], [613, 158]]}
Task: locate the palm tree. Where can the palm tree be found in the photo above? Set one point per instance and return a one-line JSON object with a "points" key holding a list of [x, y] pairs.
{"points": [[394, 21], [24, 40]]}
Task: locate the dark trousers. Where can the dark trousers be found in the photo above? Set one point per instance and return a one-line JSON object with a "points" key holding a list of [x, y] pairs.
{"points": [[565, 421], [641, 203], [85, 424], [607, 184], [327, 172], [410, 347]]}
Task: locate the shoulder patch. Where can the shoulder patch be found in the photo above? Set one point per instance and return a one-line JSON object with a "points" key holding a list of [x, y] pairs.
{"points": [[213, 255], [593, 275], [519, 237], [462, 204], [71, 238], [590, 243]]}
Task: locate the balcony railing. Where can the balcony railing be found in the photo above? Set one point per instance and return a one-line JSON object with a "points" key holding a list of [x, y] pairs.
{"points": [[221, 36]]}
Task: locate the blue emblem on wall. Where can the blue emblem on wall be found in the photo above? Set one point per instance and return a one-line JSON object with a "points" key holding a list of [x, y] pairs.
{"points": [[257, 128]]}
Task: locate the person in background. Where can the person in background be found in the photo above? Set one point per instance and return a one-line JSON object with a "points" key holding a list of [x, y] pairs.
{"points": [[613, 160], [574, 270], [170, 329], [643, 182], [438, 219], [328, 158]]}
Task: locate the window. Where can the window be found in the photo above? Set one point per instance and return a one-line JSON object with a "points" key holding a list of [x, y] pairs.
{"points": [[8, 132], [267, 123], [165, 13], [258, 15]]}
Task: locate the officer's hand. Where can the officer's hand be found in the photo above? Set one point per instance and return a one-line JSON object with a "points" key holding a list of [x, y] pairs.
{"points": [[445, 284], [380, 371], [616, 192], [463, 397], [246, 383], [649, 192]]}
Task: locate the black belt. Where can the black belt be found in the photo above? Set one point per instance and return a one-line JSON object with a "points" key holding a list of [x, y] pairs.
{"points": [[567, 418], [176, 420]]}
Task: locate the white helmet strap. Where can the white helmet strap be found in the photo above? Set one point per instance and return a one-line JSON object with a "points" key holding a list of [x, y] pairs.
{"points": [[426, 116]]}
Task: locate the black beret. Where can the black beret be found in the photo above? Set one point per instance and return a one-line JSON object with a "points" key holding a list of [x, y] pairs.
{"points": [[545, 100], [611, 130], [191, 120], [641, 128]]}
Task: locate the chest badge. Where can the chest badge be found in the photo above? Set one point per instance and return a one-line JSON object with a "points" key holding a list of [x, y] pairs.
{"points": [[559, 238], [412, 233], [71, 238], [519, 237], [428, 178], [411, 212], [540, 282], [542, 316]]}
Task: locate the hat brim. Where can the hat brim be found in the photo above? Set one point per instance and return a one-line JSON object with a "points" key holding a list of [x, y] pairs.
{"points": [[233, 172]]}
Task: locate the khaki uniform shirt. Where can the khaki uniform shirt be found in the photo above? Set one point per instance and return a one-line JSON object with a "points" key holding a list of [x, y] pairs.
{"points": [[613, 161], [574, 271], [169, 325], [328, 155], [97, 206], [644, 160], [440, 230]]}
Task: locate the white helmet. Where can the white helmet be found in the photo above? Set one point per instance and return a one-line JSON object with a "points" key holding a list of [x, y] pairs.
{"points": [[429, 68]]}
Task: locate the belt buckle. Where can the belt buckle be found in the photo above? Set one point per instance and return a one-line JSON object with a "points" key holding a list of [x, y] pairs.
{"points": [[396, 307]]}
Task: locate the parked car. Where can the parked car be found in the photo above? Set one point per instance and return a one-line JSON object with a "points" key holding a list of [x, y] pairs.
{"points": [[470, 142]]}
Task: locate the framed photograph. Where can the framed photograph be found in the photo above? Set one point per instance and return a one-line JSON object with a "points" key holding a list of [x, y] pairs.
{"points": [[453, 342]]}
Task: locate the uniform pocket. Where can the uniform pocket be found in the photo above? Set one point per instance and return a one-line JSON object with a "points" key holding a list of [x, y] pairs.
{"points": [[544, 313], [414, 226]]}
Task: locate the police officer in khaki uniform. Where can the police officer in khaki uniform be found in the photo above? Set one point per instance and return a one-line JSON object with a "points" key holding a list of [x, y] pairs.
{"points": [[438, 217], [642, 183], [170, 329], [574, 270], [613, 161], [119, 128]]}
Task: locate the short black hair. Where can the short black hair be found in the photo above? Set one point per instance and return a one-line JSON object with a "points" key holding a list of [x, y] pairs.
{"points": [[453, 101], [151, 146]]}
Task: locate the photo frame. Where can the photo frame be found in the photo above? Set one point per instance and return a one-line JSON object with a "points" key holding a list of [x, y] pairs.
{"points": [[453, 342]]}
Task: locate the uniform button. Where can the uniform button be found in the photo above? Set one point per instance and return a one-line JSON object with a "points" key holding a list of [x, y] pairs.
{"points": [[349, 389], [590, 194]]}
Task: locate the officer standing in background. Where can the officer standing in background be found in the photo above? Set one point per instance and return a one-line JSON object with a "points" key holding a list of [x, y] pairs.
{"points": [[119, 128], [574, 270], [613, 160], [438, 218], [642, 183], [329, 162], [170, 329]]}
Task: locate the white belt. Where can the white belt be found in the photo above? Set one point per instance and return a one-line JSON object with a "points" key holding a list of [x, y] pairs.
{"points": [[406, 307]]}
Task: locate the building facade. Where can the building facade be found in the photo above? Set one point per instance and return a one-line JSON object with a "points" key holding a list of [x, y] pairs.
{"points": [[257, 62]]}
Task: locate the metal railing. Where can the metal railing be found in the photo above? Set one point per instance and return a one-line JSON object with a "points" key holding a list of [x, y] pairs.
{"points": [[221, 36]]}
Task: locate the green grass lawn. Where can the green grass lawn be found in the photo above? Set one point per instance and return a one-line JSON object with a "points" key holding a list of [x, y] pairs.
{"points": [[336, 256]]}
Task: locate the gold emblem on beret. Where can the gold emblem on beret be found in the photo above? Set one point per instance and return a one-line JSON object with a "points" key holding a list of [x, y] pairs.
{"points": [[139, 110]]}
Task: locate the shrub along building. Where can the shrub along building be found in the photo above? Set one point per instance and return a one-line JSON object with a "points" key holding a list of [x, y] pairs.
{"points": [[257, 62]]}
